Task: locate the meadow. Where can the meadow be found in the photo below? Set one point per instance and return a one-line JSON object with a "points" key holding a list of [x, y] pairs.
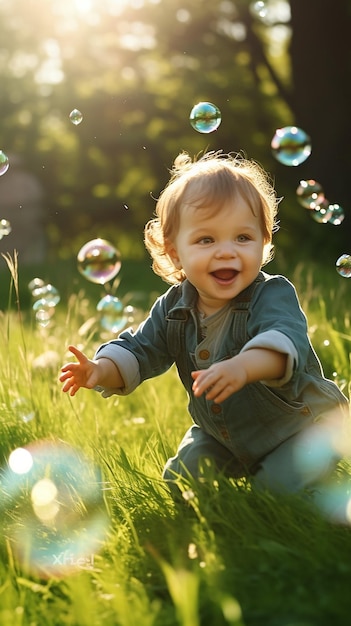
{"points": [[223, 555]]}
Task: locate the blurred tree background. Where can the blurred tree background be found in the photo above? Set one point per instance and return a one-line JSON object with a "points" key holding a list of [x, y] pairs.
{"points": [[135, 69]]}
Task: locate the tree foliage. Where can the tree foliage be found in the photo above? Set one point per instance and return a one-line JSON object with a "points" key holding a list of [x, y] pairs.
{"points": [[135, 69]]}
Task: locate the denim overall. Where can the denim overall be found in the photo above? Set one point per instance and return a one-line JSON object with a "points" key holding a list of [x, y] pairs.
{"points": [[285, 434], [290, 448]]}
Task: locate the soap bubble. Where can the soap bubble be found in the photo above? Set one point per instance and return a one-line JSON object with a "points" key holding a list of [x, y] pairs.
{"points": [[310, 193], [205, 117], [52, 508], [343, 265], [259, 9], [291, 145], [4, 163], [98, 261], [46, 295], [34, 283], [113, 316], [5, 228], [337, 214], [322, 212], [76, 117]]}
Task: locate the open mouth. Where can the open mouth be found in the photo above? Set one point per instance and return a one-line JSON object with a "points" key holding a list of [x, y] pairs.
{"points": [[224, 276]]}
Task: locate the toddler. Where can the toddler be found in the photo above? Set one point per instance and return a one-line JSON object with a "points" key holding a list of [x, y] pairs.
{"points": [[259, 402]]}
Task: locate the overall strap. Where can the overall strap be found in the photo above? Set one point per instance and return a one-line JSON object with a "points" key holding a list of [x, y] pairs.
{"points": [[240, 310]]}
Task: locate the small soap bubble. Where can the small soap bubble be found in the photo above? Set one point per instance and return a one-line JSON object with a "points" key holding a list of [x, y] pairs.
{"points": [[258, 9], [45, 295], [53, 508], [35, 283], [4, 163], [322, 212], [291, 145], [98, 261], [5, 228], [337, 214], [310, 194], [76, 117], [343, 265], [44, 313], [205, 117], [112, 314]]}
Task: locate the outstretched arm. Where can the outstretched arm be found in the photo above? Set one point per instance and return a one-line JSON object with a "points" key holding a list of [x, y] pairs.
{"points": [[89, 373], [223, 379]]}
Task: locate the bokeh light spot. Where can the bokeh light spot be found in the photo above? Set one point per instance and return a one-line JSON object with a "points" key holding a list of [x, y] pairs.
{"points": [[52, 508]]}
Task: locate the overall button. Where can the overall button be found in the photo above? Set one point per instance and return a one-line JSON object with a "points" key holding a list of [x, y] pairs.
{"points": [[216, 409], [224, 434], [204, 355]]}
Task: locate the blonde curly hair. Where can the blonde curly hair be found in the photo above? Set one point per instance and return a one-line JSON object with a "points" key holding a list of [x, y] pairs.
{"points": [[207, 182]]}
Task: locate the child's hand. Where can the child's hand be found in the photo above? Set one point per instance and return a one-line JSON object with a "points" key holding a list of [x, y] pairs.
{"points": [[226, 377], [77, 375], [219, 381]]}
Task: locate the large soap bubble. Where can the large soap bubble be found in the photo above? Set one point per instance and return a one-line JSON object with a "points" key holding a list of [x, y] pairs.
{"points": [[291, 145], [52, 508], [99, 261], [205, 117]]}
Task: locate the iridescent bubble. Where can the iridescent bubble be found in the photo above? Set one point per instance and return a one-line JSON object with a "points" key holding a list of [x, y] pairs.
{"points": [[343, 265], [322, 212], [291, 145], [5, 228], [310, 193], [337, 214], [53, 508], [4, 163], [258, 9], [98, 261], [76, 117], [35, 283], [205, 117], [112, 314], [44, 312], [45, 295]]}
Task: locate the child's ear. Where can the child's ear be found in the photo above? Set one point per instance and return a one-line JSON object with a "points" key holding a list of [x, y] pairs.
{"points": [[172, 253]]}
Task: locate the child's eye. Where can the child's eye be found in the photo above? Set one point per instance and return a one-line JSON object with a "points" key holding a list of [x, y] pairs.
{"points": [[243, 238], [205, 240]]}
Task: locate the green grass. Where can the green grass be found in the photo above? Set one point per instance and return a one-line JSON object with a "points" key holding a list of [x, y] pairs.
{"points": [[224, 555]]}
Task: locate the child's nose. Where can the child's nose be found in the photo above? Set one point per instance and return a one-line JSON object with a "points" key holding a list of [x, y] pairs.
{"points": [[226, 250]]}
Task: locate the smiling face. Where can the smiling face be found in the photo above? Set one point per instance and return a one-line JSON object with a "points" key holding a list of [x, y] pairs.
{"points": [[220, 252]]}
